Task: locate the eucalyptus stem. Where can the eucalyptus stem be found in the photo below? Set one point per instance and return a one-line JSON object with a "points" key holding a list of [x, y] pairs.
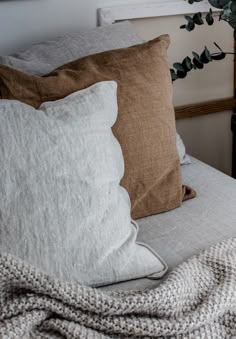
{"points": [[228, 14], [181, 69]]}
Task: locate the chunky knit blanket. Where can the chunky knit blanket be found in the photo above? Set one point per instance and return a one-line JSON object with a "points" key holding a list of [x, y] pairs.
{"points": [[198, 300]]}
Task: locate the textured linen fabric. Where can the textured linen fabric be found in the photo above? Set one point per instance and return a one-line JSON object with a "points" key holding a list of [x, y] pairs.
{"points": [[198, 301], [145, 126], [183, 157], [198, 224], [61, 206], [44, 57]]}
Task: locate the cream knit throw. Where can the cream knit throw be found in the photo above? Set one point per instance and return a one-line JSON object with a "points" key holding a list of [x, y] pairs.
{"points": [[198, 300]]}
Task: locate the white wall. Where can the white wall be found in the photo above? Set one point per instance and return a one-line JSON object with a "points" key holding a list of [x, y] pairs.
{"points": [[23, 21], [209, 137]]}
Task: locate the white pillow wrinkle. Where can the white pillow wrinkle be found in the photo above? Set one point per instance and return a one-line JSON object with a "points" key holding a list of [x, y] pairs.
{"points": [[62, 208]]}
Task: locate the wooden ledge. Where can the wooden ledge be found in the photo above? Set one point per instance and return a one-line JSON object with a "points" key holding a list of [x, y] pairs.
{"points": [[203, 108]]}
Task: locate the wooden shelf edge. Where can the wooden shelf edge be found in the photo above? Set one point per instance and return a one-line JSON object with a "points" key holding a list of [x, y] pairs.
{"points": [[203, 108]]}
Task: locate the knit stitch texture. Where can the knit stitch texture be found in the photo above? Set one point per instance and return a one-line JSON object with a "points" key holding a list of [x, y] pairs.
{"points": [[198, 300]]}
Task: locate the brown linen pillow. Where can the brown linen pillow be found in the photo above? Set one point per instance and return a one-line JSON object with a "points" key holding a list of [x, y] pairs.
{"points": [[145, 126]]}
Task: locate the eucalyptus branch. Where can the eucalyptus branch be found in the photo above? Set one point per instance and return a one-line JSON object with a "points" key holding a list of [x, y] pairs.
{"points": [[197, 19], [181, 69], [227, 13]]}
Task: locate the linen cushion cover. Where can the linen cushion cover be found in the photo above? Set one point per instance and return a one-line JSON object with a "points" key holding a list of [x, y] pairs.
{"points": [[183, 157], [61, 206], [145, 126], [44, 57]]}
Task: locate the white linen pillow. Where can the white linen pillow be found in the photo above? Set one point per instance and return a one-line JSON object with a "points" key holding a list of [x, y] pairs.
{"points": [[183, 157], [44, 57], [61, 206]]}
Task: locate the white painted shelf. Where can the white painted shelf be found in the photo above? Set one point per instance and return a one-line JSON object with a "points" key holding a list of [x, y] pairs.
{"points": [[147, 9]]}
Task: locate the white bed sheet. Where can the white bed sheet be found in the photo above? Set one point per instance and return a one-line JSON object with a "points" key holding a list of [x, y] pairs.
{"points": [[196, 225]]}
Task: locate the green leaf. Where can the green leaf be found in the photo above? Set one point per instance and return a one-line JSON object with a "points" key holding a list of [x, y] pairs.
{"points": [[207, 53], [181, 75], [187, 64], [232, 21], [198, 63], [196, 56], [174, 76], [179, 67], [205, 56], [197, 19], [218, 56], [209, 18], [226, 13], [190, 26], [233, 6], [219, 3]]}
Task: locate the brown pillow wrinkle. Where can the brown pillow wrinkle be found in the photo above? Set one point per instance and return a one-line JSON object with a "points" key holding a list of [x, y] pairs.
{"points": [[145, 127]]}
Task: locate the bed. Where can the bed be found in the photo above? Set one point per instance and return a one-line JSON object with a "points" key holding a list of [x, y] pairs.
{"points": [[196, 300], [186, 303], [196, 225]]}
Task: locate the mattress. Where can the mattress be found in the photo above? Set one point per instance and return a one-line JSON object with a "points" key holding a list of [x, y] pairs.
{"points": [[199, 223]]}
